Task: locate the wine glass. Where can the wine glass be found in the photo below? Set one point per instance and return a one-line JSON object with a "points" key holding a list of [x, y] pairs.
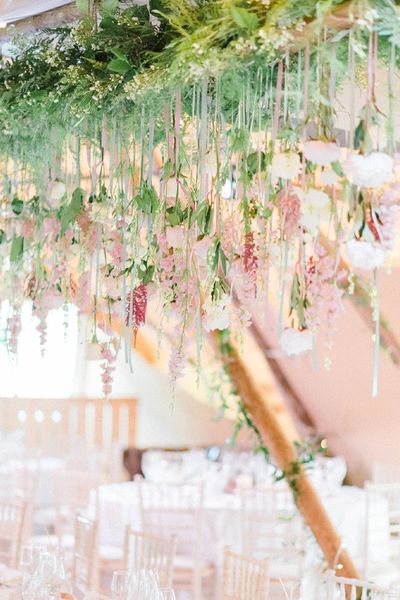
{"points": [[52, 573], [120, 584], [164, 594], [30, 558]]}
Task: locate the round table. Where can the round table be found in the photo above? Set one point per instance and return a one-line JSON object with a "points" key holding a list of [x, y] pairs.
{"points": [[118, 506]]}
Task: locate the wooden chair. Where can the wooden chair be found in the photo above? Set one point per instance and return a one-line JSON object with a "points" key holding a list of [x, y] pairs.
{"points": [[84, 554], [150, 552], [244, 578], [177, 509], [271, 528], [342, 588], [11, 527]]}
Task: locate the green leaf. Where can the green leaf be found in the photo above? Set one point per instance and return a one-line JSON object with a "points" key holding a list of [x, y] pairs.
{"points": [[255, 161], [337, 168], [147, 275], [202, 216], [216, 255], [17, 206], [119, 65], [223, 260], [17, 248], [82, 6], [2, 236], [172, 215], [244, 19], [359, 134], [148, 200], [72, 210], [108, 7], [119, 54], [295, 293]]}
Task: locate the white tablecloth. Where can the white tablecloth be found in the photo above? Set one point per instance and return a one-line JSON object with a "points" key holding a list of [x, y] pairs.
{"points": [[118, 506]]}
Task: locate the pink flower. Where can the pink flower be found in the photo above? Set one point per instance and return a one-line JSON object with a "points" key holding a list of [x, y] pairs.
{"points": [[51, 226], [175, 236], [135, 312], [289, 204], [116, 251], [53, 300], [201, 247], [27, 228]]}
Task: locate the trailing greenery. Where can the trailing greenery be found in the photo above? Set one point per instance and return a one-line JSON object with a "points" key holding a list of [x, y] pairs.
{"points": [[121, 58]]}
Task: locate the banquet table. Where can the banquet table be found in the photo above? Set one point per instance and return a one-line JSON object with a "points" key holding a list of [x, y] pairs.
{"points": [[118, 505]]}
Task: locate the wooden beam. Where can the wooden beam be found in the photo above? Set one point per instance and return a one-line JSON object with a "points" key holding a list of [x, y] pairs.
{"points": [[283, 450]]}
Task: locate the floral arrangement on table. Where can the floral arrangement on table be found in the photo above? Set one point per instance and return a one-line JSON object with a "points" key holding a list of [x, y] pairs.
{"points": [[193, 156]]}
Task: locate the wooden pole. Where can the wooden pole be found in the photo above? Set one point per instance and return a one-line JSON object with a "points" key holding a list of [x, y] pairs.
{"points": [[284, 453]]}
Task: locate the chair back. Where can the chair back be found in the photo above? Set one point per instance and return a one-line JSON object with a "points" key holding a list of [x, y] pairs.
{"points": [[84, 558], [244, 578], [11, 527], [342, 588], [271, 527], [173, 509], [150, 552]]}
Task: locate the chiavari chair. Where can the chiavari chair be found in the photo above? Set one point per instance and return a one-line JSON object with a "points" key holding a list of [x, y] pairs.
{"points": [[177, 509], [244, 578], [84, 553], [150, 552]]}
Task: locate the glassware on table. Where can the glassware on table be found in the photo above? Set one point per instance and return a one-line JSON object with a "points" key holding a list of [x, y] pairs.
{"points": [[120, 584], [142, 584], [51, 573], [30, 558], [164, 594]]}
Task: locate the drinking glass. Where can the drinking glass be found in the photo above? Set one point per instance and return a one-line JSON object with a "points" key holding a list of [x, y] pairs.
{"points": [[120, 584], [30, 558], [164, 594]]}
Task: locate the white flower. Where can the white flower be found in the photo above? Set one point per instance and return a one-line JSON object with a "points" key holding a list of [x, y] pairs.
{"points": [[364, 255], [175, 236], [369, 171], [321, 153], [226, 190], [294, 342], [315, 206], [216, 313], [57, 191], [286, 165]]}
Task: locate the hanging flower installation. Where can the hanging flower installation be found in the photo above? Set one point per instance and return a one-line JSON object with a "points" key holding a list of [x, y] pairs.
{"points": [[177, 156]]}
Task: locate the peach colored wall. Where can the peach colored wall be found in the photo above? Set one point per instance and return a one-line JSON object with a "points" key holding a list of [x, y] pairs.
{"points": [[360, 427]]}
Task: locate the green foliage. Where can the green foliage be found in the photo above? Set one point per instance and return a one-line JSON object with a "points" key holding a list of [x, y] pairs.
{"points": [[17, 249], [71, 211]]}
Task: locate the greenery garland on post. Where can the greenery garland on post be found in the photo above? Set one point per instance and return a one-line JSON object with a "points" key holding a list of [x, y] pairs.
{"points": [[261, 417]]}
